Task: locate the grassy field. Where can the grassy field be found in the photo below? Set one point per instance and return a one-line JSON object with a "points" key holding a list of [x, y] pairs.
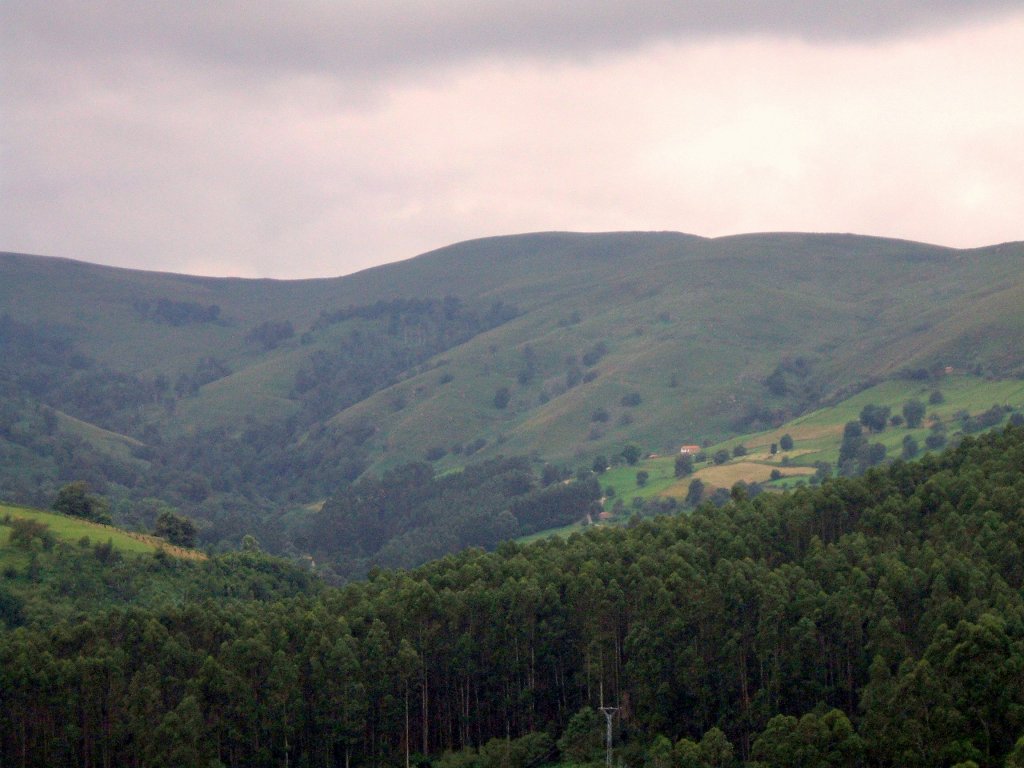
{"points": [[73, 530], [817, 437]]}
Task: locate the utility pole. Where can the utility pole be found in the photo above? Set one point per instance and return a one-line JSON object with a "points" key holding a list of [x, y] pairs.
{"points": [[609, 713]]}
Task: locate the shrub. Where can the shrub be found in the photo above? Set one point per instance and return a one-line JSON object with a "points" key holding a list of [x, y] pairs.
{"points": [[24, 532], [436, 452], [502, 396]]}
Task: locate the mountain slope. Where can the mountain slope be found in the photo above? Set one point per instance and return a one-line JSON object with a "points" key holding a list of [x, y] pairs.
{"points": [[236, 396]]}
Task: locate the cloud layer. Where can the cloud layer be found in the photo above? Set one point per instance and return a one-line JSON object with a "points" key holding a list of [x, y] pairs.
{"points": [[321, 138]]}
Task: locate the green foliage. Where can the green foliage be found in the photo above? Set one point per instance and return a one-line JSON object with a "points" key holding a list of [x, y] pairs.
{"points": [[910, 448], [25, 532], [695, 492], [1016, 758], [683, 465], [913, 413], [876, 620], [176, 529], [582, 742], [786, 442], [409, 515], [874, 417], [631, 453], [176, 313], [502, 397], [271, 333], [75, 500], [527, 751], [716, 751]]}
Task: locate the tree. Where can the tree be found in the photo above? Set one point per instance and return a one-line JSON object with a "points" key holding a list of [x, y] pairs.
{"points": [[25, 531], [176, 529], [874, 417], [913, 412], [1016, 758], [936, 397], [581, 740], [684, 465], [786, 442], [910, 447], [631, 453], [75, 500], [630, 400], [695, 492], [721, 456], [686, 754], [600, 464], [876, 454], [641, 478], [739, 450], [502, 396], [715, 749]]}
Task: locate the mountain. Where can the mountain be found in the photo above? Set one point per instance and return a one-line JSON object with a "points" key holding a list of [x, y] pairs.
{"points": [[234, 399]]}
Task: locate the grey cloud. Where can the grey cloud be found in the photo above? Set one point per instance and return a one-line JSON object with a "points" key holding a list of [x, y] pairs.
{"points": [[361, 37]]}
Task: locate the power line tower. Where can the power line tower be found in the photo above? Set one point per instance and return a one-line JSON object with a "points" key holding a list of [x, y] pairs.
{"points": [[609, 713]]}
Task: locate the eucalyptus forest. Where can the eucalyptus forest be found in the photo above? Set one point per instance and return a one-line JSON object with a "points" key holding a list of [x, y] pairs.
{"points": [[875, 621]]}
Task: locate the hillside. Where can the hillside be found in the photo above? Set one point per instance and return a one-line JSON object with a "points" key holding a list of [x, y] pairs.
{"points": [[232, 399], [966, 405], [55, 567]]}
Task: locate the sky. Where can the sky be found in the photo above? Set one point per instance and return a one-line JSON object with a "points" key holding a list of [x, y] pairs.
{"points": [[316, 138]]}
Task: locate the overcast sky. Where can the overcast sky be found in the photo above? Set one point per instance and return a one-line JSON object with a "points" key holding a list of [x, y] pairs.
{"points": [[314, 138]]}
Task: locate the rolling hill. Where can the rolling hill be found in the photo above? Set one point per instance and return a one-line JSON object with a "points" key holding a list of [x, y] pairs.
{"points": [[234, 399]]}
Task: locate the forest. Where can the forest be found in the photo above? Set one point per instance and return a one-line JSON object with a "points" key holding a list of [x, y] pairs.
{"points": [[874, 621]]}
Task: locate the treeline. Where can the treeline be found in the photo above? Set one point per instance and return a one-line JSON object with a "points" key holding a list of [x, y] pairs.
{"points": [[874, 621], [409, 516], [176, 313]]}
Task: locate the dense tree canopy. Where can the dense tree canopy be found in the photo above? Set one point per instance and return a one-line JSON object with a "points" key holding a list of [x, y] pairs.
{"points": [[875, 621]]}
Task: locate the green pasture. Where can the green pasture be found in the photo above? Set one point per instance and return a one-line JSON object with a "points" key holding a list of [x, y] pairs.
{"points": [[817, 437], [72, 530]]}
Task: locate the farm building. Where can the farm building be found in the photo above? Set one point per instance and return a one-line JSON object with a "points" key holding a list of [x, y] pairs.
{"points": [[690, 449]]}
